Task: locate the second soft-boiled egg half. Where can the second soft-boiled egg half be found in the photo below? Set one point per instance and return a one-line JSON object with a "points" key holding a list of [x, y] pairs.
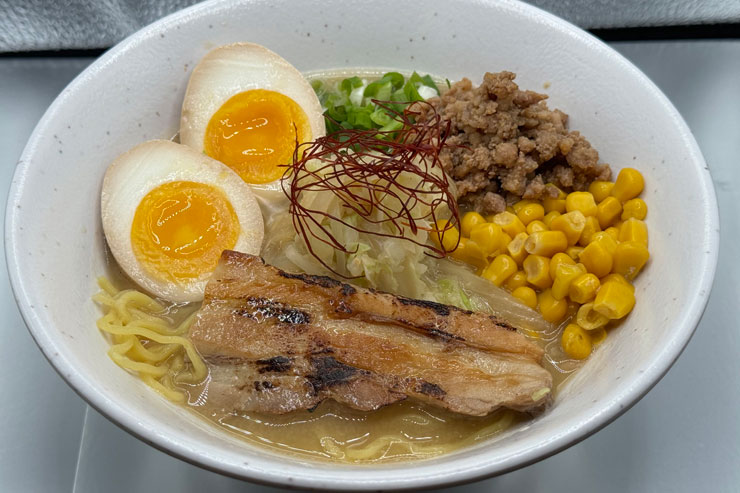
{"points": [[248, 107], [169, 212]]}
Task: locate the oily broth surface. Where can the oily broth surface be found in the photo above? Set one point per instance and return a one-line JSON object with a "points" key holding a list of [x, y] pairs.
{"points": [[402, 431]]}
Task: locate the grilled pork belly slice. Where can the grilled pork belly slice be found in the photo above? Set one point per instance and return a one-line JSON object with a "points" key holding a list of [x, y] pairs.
{"points": [[277, 342]]}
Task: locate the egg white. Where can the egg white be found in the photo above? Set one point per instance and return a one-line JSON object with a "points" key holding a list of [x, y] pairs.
{"points": [[134, 174], [231, 69]]}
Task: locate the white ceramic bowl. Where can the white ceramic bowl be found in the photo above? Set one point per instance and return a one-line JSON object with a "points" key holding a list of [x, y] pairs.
{"points": [[134, 91]]}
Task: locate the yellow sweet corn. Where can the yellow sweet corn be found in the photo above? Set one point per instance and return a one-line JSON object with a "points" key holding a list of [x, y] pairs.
{"points": [[549, 217], [526, 295], [557, 259], [589, 230], [634, 230], [556, 204], [583, 288], [629, 258], [530, 212], [600, 189], [489, 236], [574, 252], [535, 226], [515, 248], [499, 270], [606, 240], [546, 243], [636, 208], [511, 224], [597, 259], [613, 232], [552, 309], [564, 275], [629, 184], [519, 205], [447, 236], [581, 201], [613, 277], [571, 223], [470, 252], [516, 280], [590, 319], [506, 239], [608, 211], [576, 342], [537, 268], [614, 300], [597, 336], [469, 221]]}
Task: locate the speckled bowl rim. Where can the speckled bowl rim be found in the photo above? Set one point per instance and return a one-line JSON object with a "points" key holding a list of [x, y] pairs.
{"points": [[364, 478]]}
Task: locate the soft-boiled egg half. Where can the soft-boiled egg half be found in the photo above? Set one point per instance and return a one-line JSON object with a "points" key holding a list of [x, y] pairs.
{"points": [[169, 212], [248, 107]]}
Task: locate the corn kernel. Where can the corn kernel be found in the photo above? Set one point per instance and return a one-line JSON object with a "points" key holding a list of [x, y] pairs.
{"points": [[597, 336], [511, 224], [549, 217], [590, 319], [447, 236], [606, 240], [505, 240], [571, 224], [597, 259], [613, 277], [537, 268], [546, 243], [535, 226], [510, 209], [557, 259], [530, 212], [576, 342], [488, 235], [564, 275], [614, 300], [515, 248], [629, 258], [526, 295], [516, 280], [519, 205], [613, 232], [469, 221], [499, 270], [608, 211], [634, 230], [636, 208], [629, 185], [470, 252], [554, 205], [589, 230], [552, 309], [574, 252], [581, 201], [583, 288], [600, 189]]}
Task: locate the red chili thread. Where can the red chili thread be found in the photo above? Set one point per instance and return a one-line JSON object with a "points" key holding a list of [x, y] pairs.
{"points": [[361, 167]]}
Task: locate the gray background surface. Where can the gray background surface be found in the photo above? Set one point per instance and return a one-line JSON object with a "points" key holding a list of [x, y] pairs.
{"points": [[684, 436], [49, 25]]}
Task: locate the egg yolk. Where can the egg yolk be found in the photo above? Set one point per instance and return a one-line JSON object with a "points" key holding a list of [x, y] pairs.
{"points": [[255, 132], [181, 228]]}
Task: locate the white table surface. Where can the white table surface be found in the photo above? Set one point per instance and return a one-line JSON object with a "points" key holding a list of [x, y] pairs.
{"points": [[684, 436]]}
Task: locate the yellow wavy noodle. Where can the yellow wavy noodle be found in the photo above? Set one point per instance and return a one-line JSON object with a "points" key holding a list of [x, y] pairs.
{"points": [[146, 342]]}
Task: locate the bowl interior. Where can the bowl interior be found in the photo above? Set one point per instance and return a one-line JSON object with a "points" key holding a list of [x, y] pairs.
{"points": [[134, 93]]}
